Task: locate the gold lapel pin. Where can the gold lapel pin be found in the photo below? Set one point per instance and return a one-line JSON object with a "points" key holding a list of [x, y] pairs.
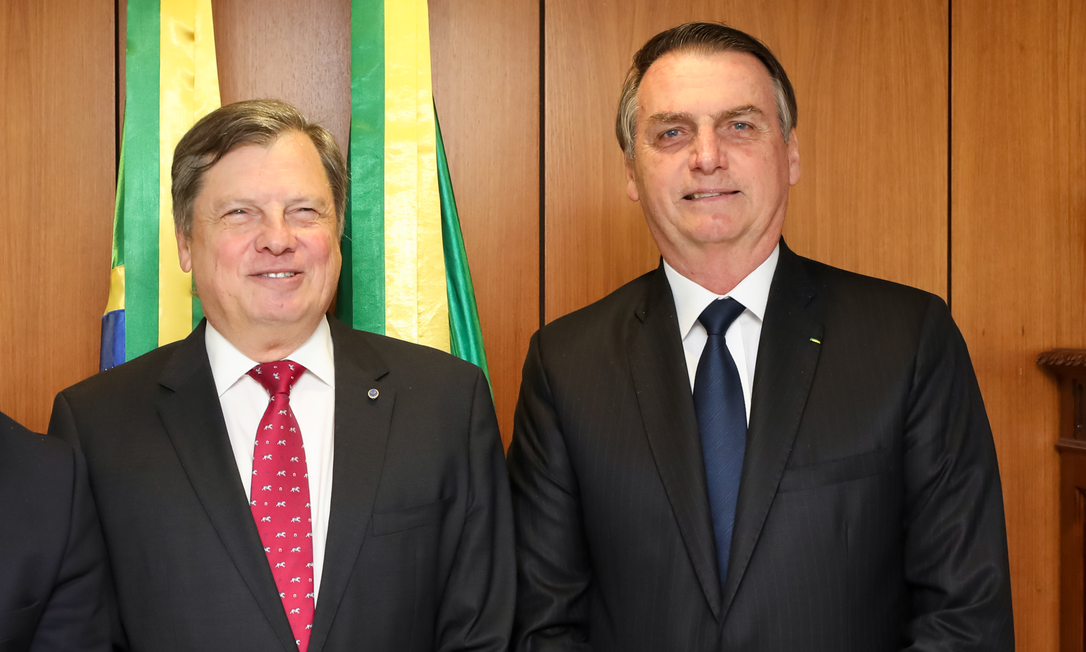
{"points": [[373, 393]]}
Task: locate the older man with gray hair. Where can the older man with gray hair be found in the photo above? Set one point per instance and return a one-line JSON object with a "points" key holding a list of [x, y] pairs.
{"points": [[746, 449]]}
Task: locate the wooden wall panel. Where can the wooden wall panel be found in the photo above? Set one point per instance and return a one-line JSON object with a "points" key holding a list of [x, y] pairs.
{"points": [[292, 50], [871, 82], [57, 174], [486, 87], [1019, 255]]}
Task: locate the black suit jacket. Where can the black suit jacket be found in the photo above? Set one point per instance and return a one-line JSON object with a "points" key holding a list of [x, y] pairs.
{"points": [[419, 552], [52, 563], [869, 515]]}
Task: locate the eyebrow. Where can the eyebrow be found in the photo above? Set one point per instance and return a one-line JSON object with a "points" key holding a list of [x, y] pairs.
{"points": [[245, 200], [668, 117]]}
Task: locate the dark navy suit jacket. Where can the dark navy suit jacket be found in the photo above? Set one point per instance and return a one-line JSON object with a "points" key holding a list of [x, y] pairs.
{"points": [[420, 541], [869, 517], [52, 564]]}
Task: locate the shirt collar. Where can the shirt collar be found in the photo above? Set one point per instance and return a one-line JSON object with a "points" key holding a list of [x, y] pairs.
{"points": [[691, 298], [228, 364]]}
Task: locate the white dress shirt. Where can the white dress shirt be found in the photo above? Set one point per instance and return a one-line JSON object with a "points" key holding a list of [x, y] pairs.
{"points": [[313, 401], [742, 336]]}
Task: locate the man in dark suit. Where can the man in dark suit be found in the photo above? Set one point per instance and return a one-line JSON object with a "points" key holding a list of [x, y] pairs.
{"points": [[389, 528], [746, 449], [53, 569]]}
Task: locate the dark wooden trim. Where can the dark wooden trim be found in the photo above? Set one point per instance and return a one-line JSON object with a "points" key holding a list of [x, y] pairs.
{"points": [[1063, 358], [1069, 368]]}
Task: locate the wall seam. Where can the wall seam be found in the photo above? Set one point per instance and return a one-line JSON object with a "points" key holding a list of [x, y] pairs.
{"points": [[119, 50], [542, 163], [949, 154]]}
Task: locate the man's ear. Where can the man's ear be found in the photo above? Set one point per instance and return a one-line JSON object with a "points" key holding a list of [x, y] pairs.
{"points": [[631, 181], [793, 159], [184, 252]]}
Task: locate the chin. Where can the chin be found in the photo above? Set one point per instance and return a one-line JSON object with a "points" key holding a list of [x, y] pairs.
{"points": [[280, 317], [715, 236]]}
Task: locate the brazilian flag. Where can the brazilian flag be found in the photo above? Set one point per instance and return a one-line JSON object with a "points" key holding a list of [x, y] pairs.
{"points": [[171, 81], [405, 269]]}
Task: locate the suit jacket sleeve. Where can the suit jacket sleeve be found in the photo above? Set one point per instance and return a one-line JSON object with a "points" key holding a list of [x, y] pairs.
{"points": [[84, 586], [553, 570], [55, 575], [75, 617], [955, 538], [476, 610]]}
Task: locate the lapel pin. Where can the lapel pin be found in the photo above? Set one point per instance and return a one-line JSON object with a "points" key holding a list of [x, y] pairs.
{"points": [[373, 393], [812, 339]]}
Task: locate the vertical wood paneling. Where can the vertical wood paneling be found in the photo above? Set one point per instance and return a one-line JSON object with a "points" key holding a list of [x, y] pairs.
{"points": [[57, 153], [871, 80], [486, 87], [292, 50], [872, 84], [1019, 256]]}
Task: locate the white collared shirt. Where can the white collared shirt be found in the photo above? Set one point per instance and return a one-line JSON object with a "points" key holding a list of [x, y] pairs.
{"points": [[313, 401], [742, 336]]}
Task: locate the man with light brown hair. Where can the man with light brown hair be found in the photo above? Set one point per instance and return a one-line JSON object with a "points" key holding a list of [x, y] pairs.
{"points": [[746, 449], [278, 481]]}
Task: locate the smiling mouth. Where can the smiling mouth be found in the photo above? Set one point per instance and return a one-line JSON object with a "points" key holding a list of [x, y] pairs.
{"points": [[704, 195], [279, 274]]}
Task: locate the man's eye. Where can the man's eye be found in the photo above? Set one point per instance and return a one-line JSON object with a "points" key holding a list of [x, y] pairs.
{"points": [[741, 126], [670, 133]]}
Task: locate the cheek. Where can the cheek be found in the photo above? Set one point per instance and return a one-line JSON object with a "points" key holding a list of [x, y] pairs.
{"points": [[221, 259], [322, 250], [335, 263]]}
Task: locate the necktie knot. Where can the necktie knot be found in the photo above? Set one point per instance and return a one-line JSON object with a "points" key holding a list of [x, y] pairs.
{"points": [[719, 315], [277, 377]]}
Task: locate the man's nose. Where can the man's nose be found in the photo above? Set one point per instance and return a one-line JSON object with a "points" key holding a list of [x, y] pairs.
{"points": [[276, 234], [709, 153]]}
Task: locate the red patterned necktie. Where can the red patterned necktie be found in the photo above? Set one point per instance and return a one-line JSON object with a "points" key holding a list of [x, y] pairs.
{"points": [[280, 497]]}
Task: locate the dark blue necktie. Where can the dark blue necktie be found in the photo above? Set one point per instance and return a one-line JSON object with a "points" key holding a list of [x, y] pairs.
{"points": [[722, 420]]}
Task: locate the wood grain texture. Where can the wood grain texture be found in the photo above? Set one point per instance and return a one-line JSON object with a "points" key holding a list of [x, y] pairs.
{"points": [[292, 50], [871, 81], [1019, 256], [485, 57], [57, 175]]}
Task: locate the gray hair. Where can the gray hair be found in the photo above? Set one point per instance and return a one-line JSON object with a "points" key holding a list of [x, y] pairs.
{"points": [[702, 38]]}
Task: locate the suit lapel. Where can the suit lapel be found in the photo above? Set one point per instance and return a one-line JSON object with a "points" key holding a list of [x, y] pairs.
{"points": [[361, 434], [658, 370], [194, 422], [787, 358]]}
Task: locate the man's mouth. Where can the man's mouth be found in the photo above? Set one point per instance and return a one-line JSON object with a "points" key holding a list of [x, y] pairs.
{"points": [[279, 274], [704, 195]]}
